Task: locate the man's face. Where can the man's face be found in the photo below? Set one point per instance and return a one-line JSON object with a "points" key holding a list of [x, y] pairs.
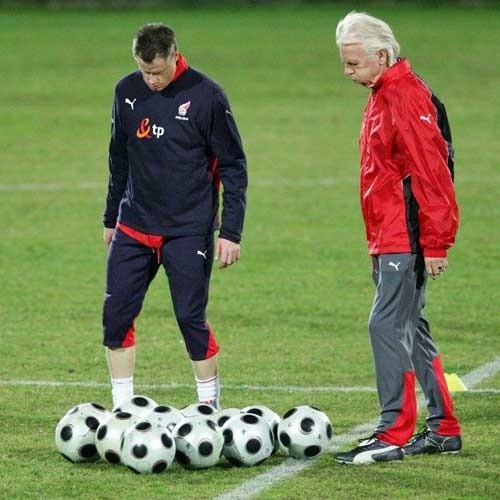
{"points": [[360, 67], [159, 72]]}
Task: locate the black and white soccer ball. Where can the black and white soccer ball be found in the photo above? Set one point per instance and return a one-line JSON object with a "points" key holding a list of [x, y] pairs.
{"points": [[147, 449], [75, 433], [198, 409], [138, 405], [222, 416], [305, 431], [110, 433], [271, 417], [164, 416], [248, 439], [198, 441]]}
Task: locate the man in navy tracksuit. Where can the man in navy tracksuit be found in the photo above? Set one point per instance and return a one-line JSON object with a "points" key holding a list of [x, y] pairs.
{"points": [[173, 141]]}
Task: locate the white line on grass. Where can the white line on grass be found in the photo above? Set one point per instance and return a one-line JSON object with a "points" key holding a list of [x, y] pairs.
{"points": [[291, 466], [301, 182], [175, 385], [60, 186], [256, 388]]}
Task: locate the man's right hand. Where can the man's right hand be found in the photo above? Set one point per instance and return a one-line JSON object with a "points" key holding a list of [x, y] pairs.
{"points": [[107, 235]]}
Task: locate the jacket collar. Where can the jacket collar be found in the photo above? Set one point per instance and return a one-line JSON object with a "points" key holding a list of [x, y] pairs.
{"points": [[182, 66], [395, 72]]}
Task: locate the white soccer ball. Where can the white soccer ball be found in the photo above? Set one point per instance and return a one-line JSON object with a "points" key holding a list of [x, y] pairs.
{"points": [[222, 416], [147, 449], [305, 431], [138, 405], [164, 416], [198, 441], [271, 417], [76, 432], [248, 439], [109, 435], [198, 409]]}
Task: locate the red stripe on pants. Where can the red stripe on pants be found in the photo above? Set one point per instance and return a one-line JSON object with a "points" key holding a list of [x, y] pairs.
{"points": [[449, 425], [213, 346], [402, 429]]}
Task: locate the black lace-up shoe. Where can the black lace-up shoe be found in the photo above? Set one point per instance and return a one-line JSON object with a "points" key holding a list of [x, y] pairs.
{"points": [[427, 442], [369, 451]]}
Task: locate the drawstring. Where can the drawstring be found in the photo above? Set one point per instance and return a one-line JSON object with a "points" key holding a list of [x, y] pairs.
{"points": [[158, 254], [153, 241]]}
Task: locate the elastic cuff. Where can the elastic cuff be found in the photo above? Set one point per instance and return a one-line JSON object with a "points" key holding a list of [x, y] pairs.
{"points": [[435, 252]]}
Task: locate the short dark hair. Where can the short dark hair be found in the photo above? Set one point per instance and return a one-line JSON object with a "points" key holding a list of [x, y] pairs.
{"points": [[153, 39]]}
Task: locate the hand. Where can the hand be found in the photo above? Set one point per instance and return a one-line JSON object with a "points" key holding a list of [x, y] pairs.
{"points": [[435, 266], [107, 235], [226, 252]]}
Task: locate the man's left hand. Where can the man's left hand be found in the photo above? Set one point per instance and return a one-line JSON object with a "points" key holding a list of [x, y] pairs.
{"points": [[435, 266], [226, 252]]}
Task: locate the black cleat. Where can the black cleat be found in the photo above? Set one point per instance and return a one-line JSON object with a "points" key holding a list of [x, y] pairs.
{"points": [[369, 451], [426, 442]]}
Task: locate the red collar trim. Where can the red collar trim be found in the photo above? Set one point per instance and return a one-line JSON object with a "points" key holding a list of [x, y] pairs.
{"points": [[182, 66]]}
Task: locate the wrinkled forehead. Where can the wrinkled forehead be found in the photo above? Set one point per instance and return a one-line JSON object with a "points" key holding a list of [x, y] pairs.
{"points": [[353, 52]]}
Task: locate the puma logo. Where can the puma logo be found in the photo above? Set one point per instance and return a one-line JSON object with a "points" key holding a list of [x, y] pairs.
{"points": [[395, 266], [203, 254], [425, 118], [128, 101]]}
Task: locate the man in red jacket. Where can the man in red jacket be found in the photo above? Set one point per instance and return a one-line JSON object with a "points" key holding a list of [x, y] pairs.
{"points": [[411, 218]]}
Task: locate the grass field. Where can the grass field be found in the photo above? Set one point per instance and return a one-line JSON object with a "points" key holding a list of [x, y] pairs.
{"points": [[292, 314]]}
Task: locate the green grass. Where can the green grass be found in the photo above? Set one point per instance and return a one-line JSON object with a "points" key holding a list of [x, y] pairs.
{"points": [[293, 311]]}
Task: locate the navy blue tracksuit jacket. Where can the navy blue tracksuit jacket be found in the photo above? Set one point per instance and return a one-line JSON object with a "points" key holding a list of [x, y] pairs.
{"points": [[167, 152]]}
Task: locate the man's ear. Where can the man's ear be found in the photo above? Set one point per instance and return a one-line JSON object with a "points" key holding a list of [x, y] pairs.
{"points": [[382, 56]]}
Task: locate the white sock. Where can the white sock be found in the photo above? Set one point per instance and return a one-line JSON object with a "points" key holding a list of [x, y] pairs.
{"points": [[209, 391], [121, 388]]}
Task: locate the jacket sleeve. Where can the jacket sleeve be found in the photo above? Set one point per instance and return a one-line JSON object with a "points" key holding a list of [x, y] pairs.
{"points": [[118, 168], [426, 154], [226, 145]]}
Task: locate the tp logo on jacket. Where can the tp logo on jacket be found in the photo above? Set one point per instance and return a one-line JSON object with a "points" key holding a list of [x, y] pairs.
{"points": [[144, 130]]}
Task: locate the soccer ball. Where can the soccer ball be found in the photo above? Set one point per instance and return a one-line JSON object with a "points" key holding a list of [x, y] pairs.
{"points": [[248, 439], [305, 431], [221, 417], [76, 432], [147, 448], [198, 442], [198, 409], [109, 435], [272, 418], [164, 416], [140, 406]]}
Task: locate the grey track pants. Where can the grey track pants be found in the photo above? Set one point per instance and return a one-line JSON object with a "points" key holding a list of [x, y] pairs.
{"points": [[403, 348]]}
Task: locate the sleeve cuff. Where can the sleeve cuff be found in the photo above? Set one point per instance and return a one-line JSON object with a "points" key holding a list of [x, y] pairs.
{"points": [[435, 252]]}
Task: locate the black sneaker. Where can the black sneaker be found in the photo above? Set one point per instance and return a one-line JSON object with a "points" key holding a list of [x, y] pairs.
{"points": [[369, 451], [427, 441]]}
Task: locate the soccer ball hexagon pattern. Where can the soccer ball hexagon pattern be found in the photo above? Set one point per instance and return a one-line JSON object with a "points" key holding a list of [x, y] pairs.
{"points": [[198, 409], [222, 416], [248, 439], [199, 442], [141, 406], [147, 448], [75, 433], [165, 416], [109, 435], [271, 417], [305, 431]]}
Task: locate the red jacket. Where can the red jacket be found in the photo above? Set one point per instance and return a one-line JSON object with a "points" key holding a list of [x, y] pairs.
{"points": [[407, 195]]}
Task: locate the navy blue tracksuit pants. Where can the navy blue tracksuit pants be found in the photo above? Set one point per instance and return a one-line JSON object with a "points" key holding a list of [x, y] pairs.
{"points": [[132, 266]]}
